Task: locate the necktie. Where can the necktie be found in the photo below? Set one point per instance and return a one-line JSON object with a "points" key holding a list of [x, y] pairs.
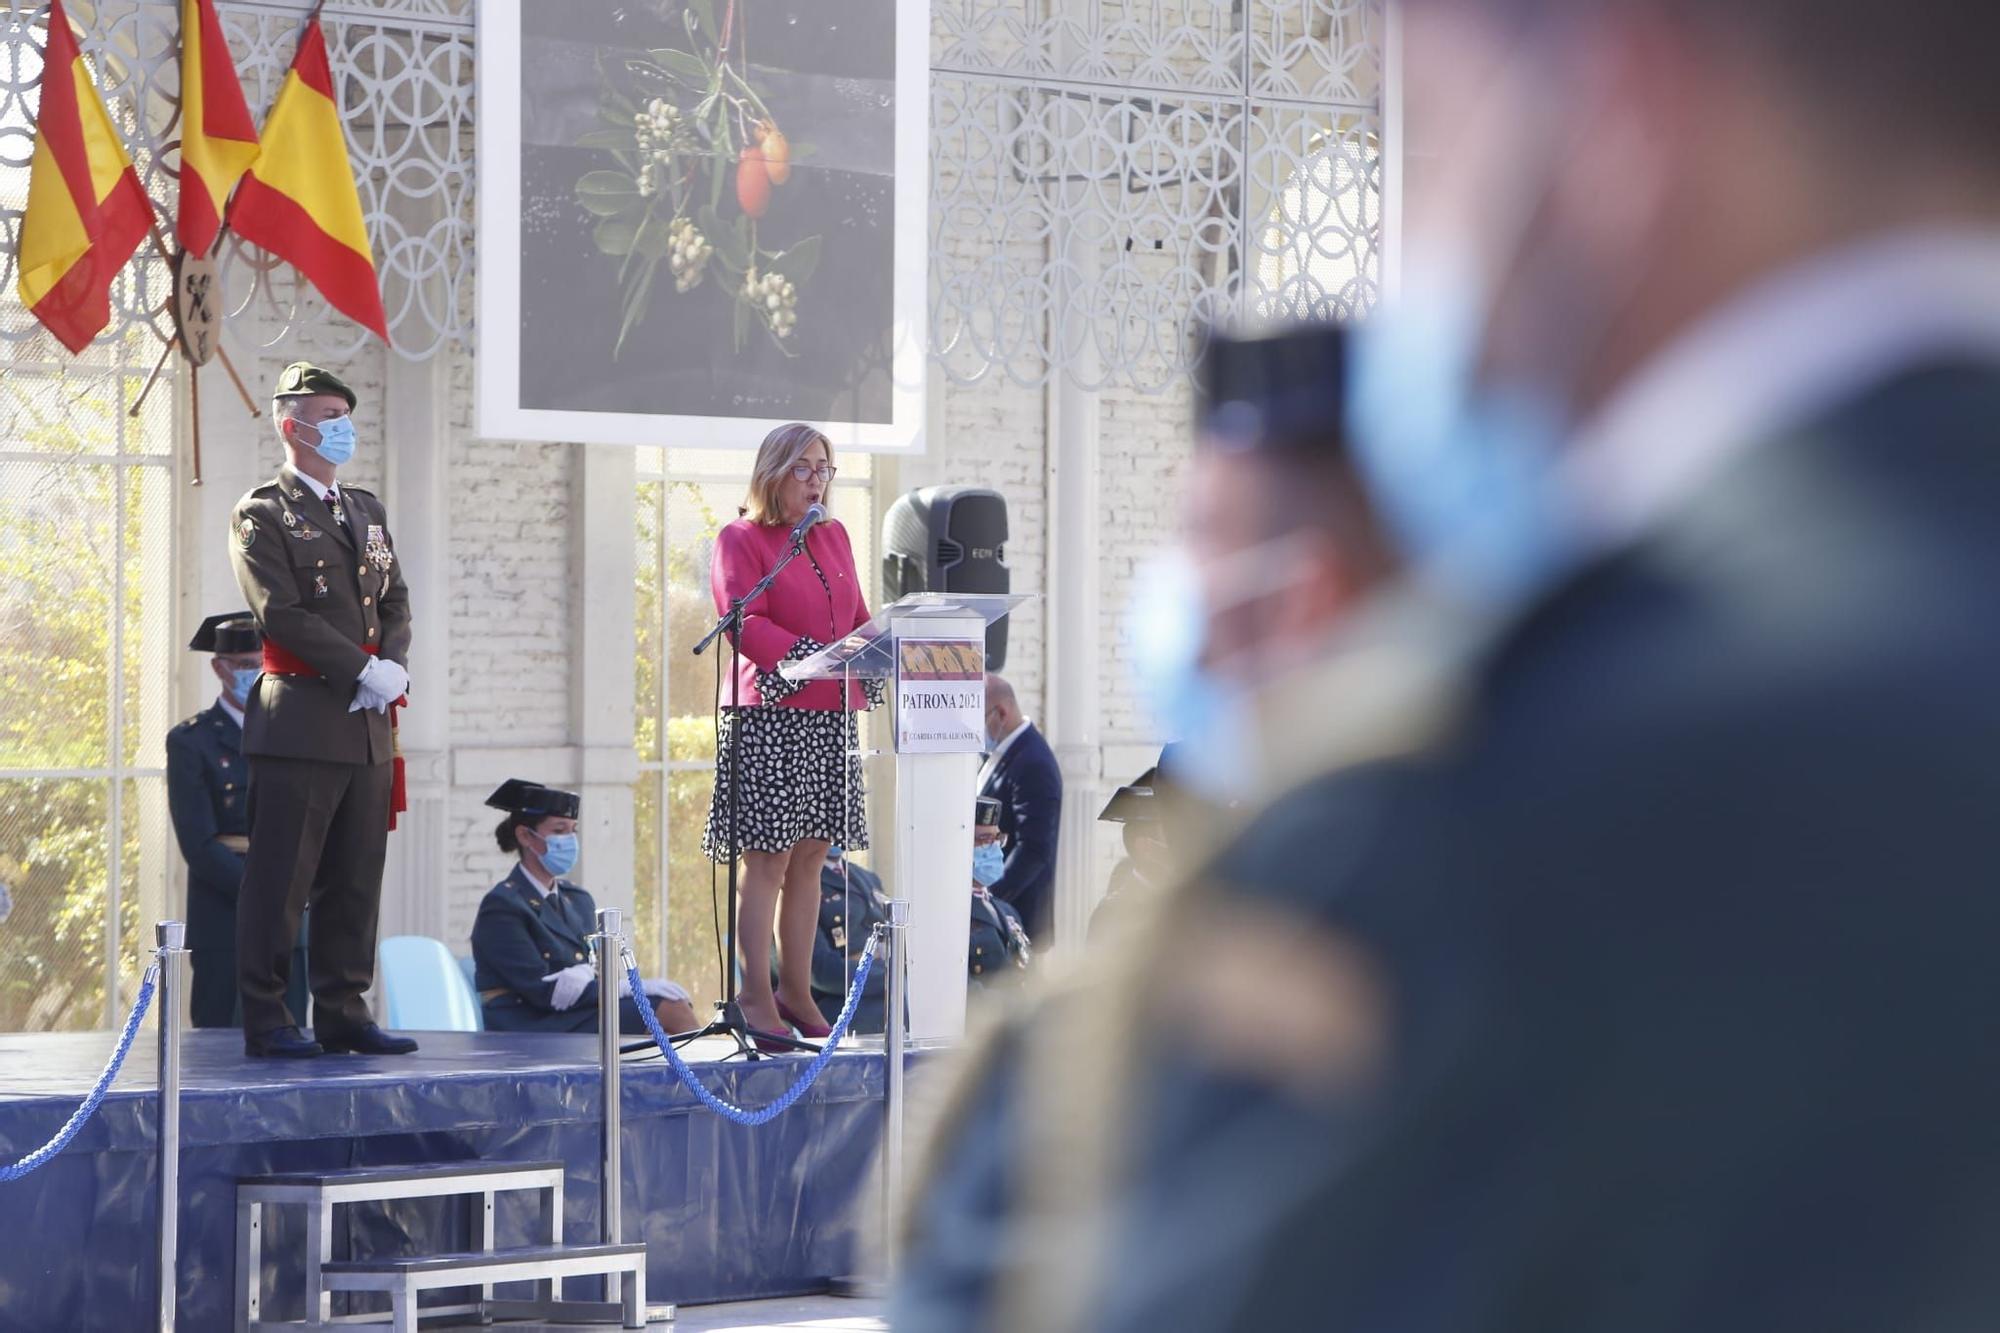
{"points": [[333, 504]]}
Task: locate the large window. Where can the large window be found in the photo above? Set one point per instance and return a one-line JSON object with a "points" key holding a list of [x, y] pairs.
{"points": [[86, 629], [685, 496], [1316, 254]]}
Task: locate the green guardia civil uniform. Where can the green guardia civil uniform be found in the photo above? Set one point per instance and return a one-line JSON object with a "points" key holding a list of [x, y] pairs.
{"points": [[327, 592]]}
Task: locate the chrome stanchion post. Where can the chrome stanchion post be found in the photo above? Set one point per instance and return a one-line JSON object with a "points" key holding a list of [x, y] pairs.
{"points": [[892, 1078], [607, 944], [171, 937]]}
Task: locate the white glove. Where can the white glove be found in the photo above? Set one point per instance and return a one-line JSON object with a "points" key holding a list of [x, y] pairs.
{"points": [[570, 983], [393, 681], [659, 989], [380, 684]]}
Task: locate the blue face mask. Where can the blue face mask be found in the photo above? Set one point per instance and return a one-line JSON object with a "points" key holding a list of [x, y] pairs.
{"points": [[988, 862], [1463, 473], [336, 440], [559, 852], [1210, 717], [245, 677]]}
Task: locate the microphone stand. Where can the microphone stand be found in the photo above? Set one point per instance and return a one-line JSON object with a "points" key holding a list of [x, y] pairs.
{"points": [[729, 1020]]}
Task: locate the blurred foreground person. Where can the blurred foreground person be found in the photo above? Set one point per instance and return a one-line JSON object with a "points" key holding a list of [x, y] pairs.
{"points": [[1258, 667], [1655, 993]]}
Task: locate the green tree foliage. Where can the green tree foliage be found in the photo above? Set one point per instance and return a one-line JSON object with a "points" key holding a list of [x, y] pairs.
{"points": [[673, 611], [59, 523]]}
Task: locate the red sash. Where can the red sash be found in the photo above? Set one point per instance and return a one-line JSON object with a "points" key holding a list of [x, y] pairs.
{"points": [[282, 661]]}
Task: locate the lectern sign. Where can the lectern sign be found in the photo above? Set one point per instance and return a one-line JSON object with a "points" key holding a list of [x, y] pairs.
{"points": [[940, 695]]}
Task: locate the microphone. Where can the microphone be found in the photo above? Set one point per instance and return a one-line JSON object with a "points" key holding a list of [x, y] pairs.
{"points": [[814, 514]]}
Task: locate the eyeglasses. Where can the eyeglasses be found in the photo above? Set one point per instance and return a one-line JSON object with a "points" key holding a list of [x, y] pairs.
{"points": [[806, 471]]}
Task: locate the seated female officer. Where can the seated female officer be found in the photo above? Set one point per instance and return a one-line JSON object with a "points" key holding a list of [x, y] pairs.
{"points": [[530, 961]]}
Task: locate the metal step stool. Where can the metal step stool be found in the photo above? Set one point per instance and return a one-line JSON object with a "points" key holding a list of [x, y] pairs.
{"points": [[402, 1279], [320, 1192]]}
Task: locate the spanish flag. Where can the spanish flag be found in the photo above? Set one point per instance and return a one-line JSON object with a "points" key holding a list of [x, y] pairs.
{"points": [[299, 200], [86, 210], [218, 138]]}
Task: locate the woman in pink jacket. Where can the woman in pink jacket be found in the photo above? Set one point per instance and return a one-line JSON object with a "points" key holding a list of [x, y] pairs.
{"points": [[800, 789]]}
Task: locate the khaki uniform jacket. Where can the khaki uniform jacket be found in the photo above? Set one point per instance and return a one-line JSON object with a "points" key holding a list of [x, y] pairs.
{"points": [[323, 591]]}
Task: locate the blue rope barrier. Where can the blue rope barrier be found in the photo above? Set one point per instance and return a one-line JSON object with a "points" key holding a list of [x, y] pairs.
{"points": [[737, 1114], [82, 1114]]}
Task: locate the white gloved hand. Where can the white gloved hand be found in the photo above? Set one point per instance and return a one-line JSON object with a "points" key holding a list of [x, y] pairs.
{"points": [[570, 984], [394, 681], [660, 989], [380, 683]]}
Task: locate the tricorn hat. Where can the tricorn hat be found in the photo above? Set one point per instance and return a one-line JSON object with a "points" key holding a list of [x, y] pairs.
{"points": [[1135, 802], [302, 379], [230, 632], [1283, 387], [534, 800]]}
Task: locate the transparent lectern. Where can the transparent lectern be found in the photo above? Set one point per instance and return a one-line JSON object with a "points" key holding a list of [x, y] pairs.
{"points": [[929, 650]]}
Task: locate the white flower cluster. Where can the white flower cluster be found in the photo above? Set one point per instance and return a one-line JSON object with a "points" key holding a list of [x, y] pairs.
{"points": [[774, 298], [659, 126], [662, 131], [687, 254]]}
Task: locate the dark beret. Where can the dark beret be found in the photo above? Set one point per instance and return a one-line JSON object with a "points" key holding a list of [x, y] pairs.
{"points": [[302, 378]]}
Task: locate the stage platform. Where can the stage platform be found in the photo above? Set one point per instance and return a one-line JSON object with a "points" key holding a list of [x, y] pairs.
{"points": [[726, 1213]]}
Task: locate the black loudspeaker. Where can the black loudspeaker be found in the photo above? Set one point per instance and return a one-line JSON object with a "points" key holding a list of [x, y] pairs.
{"points": [[949, 539]]}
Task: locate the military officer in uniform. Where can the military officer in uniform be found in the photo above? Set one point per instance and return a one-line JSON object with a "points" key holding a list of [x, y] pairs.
{"points": [[208, 794], [851, 903], [316, 563]]}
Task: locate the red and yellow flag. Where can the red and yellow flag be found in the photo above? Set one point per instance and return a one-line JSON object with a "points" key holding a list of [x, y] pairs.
{"points": [[86, 210], [299, 200], [218, 138]]}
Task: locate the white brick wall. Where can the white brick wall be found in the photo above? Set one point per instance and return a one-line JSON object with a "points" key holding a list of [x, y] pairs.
{"points": [[1144, 439], [512, 582], [994, 436]]}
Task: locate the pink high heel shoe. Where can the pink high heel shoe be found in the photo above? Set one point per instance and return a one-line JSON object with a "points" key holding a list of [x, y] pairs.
{"points": [[812, 1027]]}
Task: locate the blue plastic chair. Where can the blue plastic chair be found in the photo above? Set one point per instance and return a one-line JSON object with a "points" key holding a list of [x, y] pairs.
{"points": [[425, 989]]}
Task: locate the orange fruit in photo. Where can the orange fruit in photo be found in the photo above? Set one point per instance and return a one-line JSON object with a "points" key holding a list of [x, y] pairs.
{"points": [[777, 152], [753, 183]]}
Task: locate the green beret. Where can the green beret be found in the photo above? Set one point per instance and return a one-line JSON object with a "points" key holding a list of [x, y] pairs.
{"points": [[302, 378]]}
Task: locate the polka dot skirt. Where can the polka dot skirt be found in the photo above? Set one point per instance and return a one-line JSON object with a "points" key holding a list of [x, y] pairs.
{"points": [[793, 762]]}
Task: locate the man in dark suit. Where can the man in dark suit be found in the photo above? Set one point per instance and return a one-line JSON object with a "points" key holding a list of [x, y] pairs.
{"points": [[208, 788], [1022, 774], [316, 563], [1655, 993]]}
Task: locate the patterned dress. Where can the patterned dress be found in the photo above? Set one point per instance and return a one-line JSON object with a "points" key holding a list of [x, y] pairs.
{"points": [[800, 775]]}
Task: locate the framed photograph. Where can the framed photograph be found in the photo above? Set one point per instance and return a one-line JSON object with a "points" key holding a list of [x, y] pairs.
{"points": [[699, 219]]}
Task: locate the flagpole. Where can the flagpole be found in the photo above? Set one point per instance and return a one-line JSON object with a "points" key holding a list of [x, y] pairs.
{"points": [[222, 355], [158, 366], [194, 415]]}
